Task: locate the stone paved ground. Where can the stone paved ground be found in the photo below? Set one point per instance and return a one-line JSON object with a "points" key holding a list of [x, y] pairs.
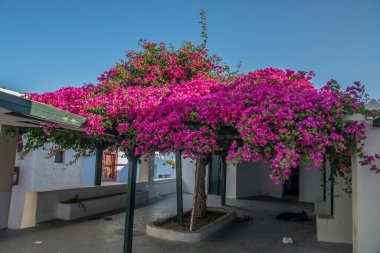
{"points": [[263, 234]]}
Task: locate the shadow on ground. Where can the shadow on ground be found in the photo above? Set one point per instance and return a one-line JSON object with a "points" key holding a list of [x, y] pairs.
{"points": [[257, 231]]}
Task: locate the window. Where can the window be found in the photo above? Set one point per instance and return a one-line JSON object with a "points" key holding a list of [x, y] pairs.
{"points": [[109, 166], [59, 157]]}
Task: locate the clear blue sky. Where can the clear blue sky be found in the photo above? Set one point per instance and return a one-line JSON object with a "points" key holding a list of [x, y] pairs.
{"points": [[48, 44]]}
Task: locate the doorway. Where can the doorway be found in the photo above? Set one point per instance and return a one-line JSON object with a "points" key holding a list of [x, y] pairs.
{"points": [[215, 175], [291, 186], [109, 166]]}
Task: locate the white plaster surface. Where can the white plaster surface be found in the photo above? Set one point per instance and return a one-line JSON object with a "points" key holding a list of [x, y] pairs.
{"points": [[242, 180], [188, 175], [231, 181], [70, 211], [248, 180], [5, 198], [252, 179], [192, 236], [44, 205], [16, 207], [337, 228], [373, 105], [48, 200], [40, 173], [366, 198], [321, 207], [310, 185], [158, 187]]}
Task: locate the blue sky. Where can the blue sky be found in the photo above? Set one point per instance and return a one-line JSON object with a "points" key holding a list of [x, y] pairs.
{"points": [[45, 45]]}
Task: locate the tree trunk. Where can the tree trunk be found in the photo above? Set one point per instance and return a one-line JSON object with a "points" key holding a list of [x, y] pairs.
{"points": [[199, 200]]}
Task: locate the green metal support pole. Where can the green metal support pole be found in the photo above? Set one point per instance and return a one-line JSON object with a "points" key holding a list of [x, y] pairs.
{"points": [[130, 208], [178, 176], [224, 179], [98, 168], [332, 196], [324, 180]]}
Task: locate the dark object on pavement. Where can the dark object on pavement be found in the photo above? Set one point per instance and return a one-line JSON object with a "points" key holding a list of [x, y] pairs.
{"points": [[289, 216], [244, 218]]}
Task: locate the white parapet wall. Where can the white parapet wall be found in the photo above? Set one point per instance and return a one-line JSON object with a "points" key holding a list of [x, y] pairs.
{"points": [[75, 209], [366, 198], [158, 187], [44, 205]]}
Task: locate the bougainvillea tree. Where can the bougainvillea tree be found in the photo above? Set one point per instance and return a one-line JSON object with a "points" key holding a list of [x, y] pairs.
{"points": [[162, 99], [126, 94], [275, 115]]}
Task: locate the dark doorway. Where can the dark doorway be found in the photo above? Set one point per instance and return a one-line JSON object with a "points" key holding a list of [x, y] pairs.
{"points": [[291, 186], [215, 173]]}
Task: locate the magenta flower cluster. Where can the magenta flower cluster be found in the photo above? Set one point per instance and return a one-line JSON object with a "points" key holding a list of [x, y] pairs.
{"points": [[167, 106]]}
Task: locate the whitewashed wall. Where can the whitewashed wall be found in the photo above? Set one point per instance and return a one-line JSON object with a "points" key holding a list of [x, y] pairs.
{"points": [[158, 187], [366, 198], [243, 180], [252, 179], [310, 185], [231, 187], [38, 173], [337, 228], [188, 175], [247, 180]]}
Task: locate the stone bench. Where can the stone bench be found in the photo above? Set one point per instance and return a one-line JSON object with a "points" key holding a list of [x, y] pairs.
{"points": [[70, 210]]}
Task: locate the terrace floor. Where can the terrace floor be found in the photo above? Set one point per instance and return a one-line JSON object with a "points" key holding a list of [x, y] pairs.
{"points": [[262, 233]]}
